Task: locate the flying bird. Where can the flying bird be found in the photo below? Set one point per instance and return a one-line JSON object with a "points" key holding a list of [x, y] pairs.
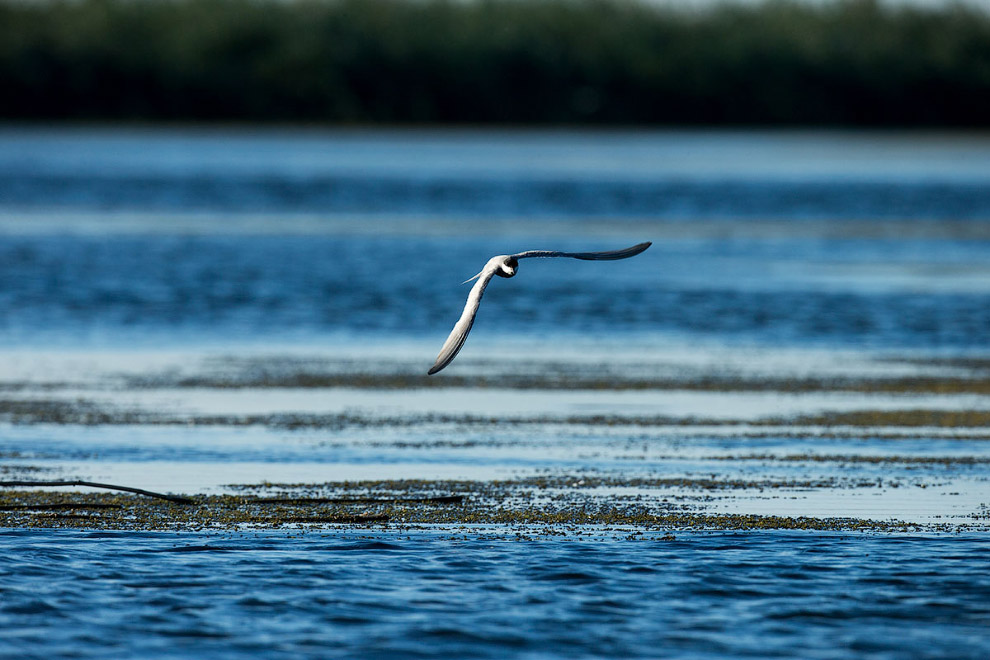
{"points": [[505, 265]]}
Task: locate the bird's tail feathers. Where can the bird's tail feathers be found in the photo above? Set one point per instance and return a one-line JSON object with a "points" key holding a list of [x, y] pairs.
{"points": [[473, 278]]}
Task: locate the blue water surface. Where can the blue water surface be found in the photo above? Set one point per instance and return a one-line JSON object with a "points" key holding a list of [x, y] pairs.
{"points": [[182, 238], [81, 289], [427, 594], [488, 173]]}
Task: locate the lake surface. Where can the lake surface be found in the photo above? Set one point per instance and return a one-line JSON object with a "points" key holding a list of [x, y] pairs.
{"points": [[632, 445], [344, 595]]}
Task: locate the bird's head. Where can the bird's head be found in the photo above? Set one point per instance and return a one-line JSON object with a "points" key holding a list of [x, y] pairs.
{"points": [[507, 267]]}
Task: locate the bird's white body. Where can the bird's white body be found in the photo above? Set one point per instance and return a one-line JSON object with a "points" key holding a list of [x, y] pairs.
{"points": [[506, 265]]}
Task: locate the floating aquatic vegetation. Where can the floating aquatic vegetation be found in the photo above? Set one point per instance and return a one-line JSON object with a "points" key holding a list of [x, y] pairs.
{"points": [[447, 504]]}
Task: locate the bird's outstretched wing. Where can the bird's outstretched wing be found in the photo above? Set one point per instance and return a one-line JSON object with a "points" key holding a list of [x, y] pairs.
{"points": [[589, 256], [463, 326]]}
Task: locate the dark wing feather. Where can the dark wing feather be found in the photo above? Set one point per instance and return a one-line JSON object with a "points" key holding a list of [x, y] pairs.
{"points": [[589, 256]]}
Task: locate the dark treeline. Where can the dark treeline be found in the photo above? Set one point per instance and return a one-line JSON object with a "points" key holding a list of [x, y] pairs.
{"points": [[481, 61]]}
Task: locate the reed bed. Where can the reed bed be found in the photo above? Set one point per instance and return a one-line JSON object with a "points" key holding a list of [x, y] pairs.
{"points": [[597, 62]]}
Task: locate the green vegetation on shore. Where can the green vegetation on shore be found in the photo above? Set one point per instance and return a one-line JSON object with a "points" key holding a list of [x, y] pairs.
{"points": [[494, 61]]}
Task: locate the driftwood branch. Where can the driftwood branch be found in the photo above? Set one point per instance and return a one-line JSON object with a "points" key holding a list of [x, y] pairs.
{"points": [[140, 491]]}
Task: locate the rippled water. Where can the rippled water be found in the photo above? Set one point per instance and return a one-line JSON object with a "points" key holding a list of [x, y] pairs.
{"points": [[200, 310], [699, 595], [490, 174], [185, 237], [891, 293]]}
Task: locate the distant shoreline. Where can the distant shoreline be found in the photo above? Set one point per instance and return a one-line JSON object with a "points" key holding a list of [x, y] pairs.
{"points": [[559, 63]]}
